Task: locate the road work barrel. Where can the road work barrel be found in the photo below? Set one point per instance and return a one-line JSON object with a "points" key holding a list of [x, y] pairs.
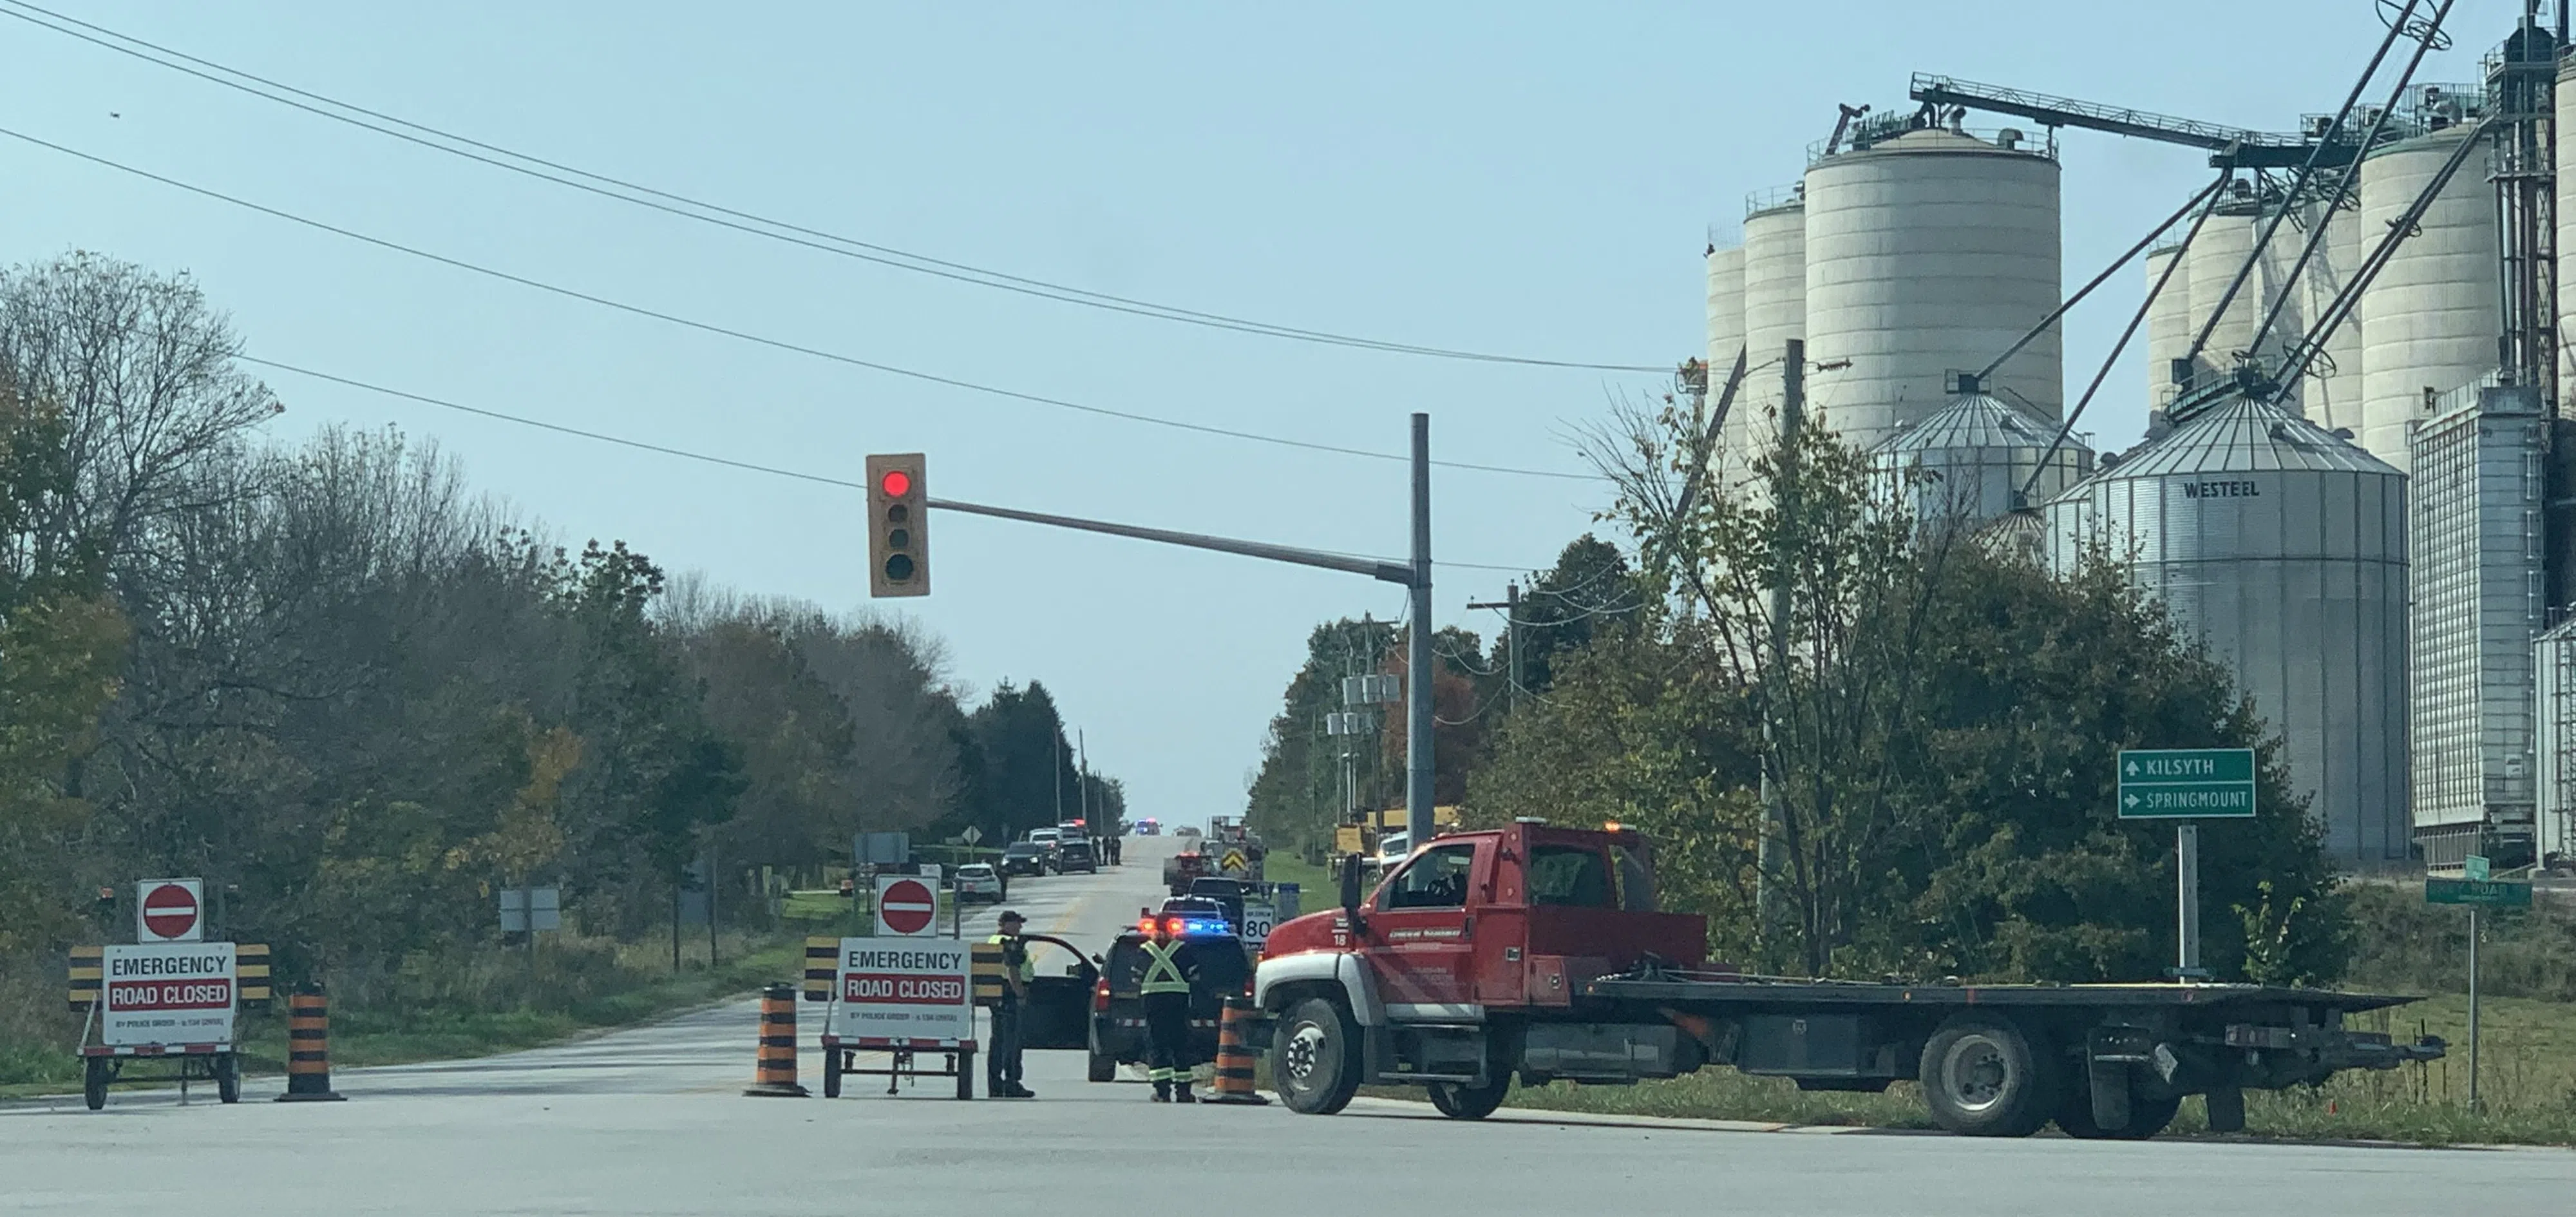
{"points": [[776, 1075], [308, 1047], [1234, 1056]]}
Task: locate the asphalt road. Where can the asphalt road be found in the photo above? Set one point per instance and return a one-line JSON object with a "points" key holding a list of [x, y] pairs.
{"points": [[651, 1121]]}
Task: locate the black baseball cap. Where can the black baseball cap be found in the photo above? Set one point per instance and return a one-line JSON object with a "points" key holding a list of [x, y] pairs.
{"points": [[1008, 916]]}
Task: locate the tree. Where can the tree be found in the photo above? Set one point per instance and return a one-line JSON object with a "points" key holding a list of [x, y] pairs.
{"points": [[1935, 726]]}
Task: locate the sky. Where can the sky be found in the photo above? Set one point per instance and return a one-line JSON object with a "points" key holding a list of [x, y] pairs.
{"points": [[1537, 181]]}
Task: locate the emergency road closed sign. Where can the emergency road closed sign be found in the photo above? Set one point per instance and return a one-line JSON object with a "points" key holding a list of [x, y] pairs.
{"points": [[167, 994], [914, 990]]}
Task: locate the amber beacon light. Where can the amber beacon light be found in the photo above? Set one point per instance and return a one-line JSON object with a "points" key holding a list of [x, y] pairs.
{"points": [[898, 526]]}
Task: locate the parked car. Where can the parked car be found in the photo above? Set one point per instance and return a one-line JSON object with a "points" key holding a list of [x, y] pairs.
{"points": [[1392, 850], [1045, 836], [1185, 831], [1071, 856], [1023, 858], [1118, 1008], [979, 881], [1228, 895]]}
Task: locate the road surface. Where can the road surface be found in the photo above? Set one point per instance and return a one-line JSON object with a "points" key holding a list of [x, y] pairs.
{"points": [[651, 1121]]}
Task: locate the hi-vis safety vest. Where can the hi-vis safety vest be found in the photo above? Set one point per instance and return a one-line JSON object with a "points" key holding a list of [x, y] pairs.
{"points": [[1163, 968], [1028, 971]]}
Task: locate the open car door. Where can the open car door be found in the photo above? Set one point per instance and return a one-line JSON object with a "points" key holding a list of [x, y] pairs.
{"points": [[1058, 1013]]}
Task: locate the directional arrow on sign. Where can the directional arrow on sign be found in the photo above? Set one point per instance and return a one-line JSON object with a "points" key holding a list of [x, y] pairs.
{"points": [[2132, 800], [2133, 769]]}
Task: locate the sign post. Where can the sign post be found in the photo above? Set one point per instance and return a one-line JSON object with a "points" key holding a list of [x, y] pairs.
{"points": [[2477, 891], [2183, 785]]}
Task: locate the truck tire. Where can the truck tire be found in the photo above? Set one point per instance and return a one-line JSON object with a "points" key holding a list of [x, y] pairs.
{"points": [[1459, 1101], [1983, 1077], [2147, 1117], [228, 1077], [94, 1083], [1316, 1058], [1104, 1068]]}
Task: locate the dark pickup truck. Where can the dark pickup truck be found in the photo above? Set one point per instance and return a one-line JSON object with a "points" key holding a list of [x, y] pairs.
{"points": [[1537, 951]]}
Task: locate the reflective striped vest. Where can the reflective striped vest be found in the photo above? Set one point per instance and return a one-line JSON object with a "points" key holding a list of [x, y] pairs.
{"points": [[1163, 968]]}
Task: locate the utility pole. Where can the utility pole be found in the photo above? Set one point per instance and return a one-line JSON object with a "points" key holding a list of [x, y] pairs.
{"points": [[1055, 772], [1511, 607], [1082, 751], [1775, 818], [1418, 726]]}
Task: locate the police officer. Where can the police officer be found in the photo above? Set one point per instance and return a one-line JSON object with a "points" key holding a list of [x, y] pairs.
{"points": [[1002, 1056], [1169, 974]]}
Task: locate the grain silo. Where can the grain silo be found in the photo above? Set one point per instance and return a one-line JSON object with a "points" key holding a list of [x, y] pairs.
{"points": [[1929, 253], [2225, 242], [1970, 459], [2433, 314], [2331, 394], [2168, 324], [2282, 548], [1725, 312], [1775, 311]]}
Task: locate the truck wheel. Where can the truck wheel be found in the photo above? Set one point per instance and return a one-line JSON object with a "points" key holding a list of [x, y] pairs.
{"points": [[2147, 1117], [1317, 1058], [1104, 1067], [1984, 1078], [1463, 1102], [94, 1083], [228, 1077]]}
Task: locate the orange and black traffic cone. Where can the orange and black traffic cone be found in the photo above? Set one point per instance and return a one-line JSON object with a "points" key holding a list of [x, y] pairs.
{"points": [[1234, 1056], [776, 1077], [308, 1047]]}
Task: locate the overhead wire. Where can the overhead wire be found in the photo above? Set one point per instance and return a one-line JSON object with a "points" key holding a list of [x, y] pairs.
{"points": [[751, 223], [622, 441], [761, 339]]}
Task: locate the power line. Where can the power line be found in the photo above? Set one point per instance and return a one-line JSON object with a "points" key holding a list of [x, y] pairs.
{"points": [[604, 437], [754, 224], [757, 339]]}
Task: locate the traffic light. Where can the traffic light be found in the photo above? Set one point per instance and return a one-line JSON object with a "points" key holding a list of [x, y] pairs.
{"points": [[898, 526]]}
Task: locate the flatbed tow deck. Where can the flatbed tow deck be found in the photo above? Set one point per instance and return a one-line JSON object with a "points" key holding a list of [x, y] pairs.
{"points": [[2123, 1055], [1536, 953]]}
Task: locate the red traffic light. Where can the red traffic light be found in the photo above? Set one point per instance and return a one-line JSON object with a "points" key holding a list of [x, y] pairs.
{"points": [[896, 483]]}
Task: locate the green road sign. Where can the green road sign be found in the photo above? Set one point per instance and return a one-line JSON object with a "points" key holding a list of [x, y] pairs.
{"points": [[2186, 783], [2474, 867], [2485, 893]]}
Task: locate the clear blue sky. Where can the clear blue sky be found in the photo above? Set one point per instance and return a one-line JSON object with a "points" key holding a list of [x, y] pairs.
{"points": [[1502, 177]]}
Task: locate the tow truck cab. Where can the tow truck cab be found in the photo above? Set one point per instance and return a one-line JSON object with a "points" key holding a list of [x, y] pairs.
{"points": [[1514, 917]]}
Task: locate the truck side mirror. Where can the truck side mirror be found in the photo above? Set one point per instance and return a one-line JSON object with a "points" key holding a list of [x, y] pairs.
{"points": [[1351, 887]]}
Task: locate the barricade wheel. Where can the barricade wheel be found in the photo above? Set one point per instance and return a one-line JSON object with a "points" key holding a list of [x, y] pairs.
{"points": [[94, 1083], [228, 1077], [831, 1073]]}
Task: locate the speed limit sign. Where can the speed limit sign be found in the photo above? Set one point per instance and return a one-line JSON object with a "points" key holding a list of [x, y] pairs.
{"points": [[1257, 920]]}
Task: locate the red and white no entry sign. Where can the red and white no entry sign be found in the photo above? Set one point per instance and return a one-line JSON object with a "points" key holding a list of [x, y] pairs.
{"points": [[167, 910], [905, 906]]}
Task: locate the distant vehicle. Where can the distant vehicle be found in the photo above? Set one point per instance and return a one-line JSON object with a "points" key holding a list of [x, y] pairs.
{"points": [[1149, 827], [1118, 1008], [1071, 856], [1227, 893], [1024, 858], [1185, 831], [1045, 836], [1392, 850], [979, 881], [1069, 829], [1181, 868]]}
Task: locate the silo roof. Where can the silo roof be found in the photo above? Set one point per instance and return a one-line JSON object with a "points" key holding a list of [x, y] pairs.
{"points": [[2242, 435], [1973, 420]]}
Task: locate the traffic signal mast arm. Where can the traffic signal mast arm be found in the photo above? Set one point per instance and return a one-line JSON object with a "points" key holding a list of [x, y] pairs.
{"points": [[1391, 572]]}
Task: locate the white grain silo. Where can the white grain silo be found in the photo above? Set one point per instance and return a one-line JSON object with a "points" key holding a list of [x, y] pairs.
{"points": [[2566, 107], [1775, 311], [2221, 250], [2434, 312], [2331, 392], [2168, 325], [1725, 312], [1970, 459], [1928, 254], [2282, 549]]}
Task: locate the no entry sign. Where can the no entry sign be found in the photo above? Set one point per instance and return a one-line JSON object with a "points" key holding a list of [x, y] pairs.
{"points": [[902, 991], [906, 907], [169, 910], [167, 994]]}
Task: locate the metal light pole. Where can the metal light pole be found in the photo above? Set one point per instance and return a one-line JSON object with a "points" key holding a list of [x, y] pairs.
{"points": [[1768, 862], [1417, 708]]}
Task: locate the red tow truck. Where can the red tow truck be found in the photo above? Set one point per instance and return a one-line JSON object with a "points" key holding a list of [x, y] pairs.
{"points": [[1537, 952]]}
